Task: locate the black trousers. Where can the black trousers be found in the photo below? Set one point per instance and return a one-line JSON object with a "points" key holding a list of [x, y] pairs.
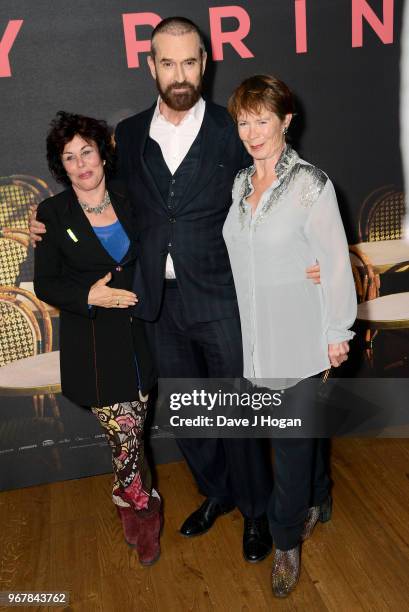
{"points": [[301, 478], [230, 470]]}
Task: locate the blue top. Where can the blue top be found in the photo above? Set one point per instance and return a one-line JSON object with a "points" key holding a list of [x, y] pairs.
{"points": [[114, 239]]}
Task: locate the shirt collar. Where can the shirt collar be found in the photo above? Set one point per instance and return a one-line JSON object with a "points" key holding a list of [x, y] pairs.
{"points": [[195, 113], [286, 162]]}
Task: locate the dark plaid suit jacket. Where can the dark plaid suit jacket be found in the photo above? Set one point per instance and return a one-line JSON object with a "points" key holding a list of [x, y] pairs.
{"points": [[191, 233]]}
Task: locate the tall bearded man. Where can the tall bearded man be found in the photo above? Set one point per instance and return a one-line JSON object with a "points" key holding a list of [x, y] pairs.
{"points": [[179, 159]]}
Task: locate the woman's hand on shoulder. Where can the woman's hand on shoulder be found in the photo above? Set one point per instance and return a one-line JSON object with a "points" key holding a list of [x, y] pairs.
{"points": [[338, 353], [106, 297]]}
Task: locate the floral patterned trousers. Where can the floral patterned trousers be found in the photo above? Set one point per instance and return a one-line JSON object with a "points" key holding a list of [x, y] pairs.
{"points": [[123, 424]]}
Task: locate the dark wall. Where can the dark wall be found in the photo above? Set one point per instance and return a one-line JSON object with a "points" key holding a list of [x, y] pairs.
{"points": [[72, 56]]}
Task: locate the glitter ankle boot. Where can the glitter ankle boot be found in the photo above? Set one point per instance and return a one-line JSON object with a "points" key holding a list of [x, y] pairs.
{"points": [[286, 571]]}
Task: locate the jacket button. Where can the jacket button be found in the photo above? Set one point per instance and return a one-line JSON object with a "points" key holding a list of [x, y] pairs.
{"points": [[118, 268], [172, 219]]}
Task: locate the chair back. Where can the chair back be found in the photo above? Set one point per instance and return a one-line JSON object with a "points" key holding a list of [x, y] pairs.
{"points": [[18, 193], [21, 335], [382, 215], [13, 253], [366, 281]]}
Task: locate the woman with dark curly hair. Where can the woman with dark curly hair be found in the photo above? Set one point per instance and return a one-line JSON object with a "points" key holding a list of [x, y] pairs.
{"points": [[84, 265]]}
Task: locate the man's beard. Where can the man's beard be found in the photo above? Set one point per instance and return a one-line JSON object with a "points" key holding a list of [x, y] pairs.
{"points": [[180, 101]]}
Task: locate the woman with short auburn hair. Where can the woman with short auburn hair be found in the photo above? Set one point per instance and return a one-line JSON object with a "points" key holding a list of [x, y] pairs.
{"points": [[283, 218]]}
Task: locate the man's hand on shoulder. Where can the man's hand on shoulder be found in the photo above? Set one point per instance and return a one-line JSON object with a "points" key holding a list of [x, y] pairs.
{"points": [[36, 227], [314, 273]]}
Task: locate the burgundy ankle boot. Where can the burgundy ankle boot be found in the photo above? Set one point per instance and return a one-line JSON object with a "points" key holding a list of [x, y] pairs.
{"points": [[142, 530], [149, 527], [130, 524]]}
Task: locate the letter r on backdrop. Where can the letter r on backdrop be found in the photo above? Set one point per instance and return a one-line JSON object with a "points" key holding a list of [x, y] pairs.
{"points": [[234, 38], [6, 43], [134, 46], [384, 29]]}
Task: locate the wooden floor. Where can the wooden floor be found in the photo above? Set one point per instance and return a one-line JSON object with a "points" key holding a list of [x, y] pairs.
{"points": [[66, 536]]}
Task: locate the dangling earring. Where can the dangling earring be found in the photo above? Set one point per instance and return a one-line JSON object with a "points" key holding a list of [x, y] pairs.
{"points": [[104, 162], [285, 131]]}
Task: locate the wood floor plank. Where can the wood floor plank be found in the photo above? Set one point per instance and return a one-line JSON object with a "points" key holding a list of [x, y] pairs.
{"points": [[181, 565], [67, 536], [368, 501], [75, 567]]}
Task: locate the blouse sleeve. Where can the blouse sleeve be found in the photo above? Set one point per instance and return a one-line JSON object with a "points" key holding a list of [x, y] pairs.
{"points": [[326, 234]]}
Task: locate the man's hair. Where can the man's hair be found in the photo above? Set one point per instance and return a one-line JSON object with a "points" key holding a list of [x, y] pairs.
{"points": [[177, 26]]}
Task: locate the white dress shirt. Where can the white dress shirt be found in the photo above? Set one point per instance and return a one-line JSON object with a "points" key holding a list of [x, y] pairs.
{"points": [[175, 142]]}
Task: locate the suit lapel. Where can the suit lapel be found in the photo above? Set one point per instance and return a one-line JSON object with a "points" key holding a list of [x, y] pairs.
{"points": [[146, 174], [214, 139], [122, 208]]}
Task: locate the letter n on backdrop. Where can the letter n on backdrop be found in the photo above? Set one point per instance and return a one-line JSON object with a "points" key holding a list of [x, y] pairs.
{"points": [[384, 29]]}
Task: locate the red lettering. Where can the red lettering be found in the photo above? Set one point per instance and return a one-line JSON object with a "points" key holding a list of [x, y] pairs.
{"points": [[300, 26], [134, 46], [384, 29], [6, 43], [235, 38]]}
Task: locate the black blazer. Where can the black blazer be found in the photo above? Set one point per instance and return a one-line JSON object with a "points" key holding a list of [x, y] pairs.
{"points": [[191, 233], [98, 345]]}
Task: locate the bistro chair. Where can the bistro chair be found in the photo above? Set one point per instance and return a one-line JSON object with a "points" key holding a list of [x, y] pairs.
{"points": [[385, 313], [25, 331], [382, 214], [14, 244], [18, 193]]}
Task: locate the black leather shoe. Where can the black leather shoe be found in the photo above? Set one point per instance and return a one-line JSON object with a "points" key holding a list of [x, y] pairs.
{"points": [[203, 518], [257, 540]]}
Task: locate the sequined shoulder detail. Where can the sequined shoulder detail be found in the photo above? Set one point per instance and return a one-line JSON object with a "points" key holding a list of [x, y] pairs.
{"points": [[243, 172], [242, 177], [243, 185], [313, 181], [286, 170]]}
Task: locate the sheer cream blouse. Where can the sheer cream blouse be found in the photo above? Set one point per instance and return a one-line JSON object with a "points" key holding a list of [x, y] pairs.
{"points": [[287, 321]]}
